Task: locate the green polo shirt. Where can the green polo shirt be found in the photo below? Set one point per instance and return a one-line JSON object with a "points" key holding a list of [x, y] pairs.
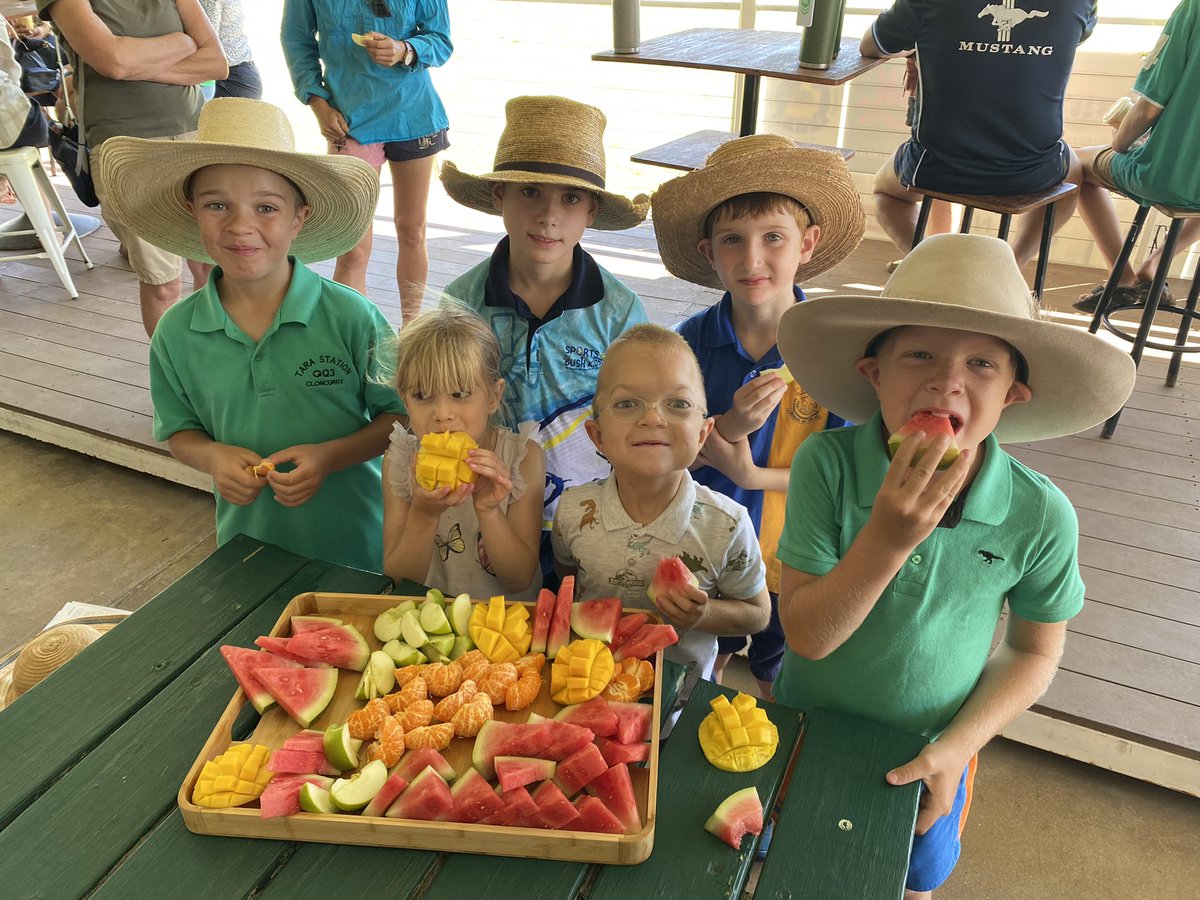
{"points": [[307, 381], [920, 650]]}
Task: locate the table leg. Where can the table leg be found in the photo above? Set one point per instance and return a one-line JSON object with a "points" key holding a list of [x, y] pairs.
{"points": [[749, 122]]}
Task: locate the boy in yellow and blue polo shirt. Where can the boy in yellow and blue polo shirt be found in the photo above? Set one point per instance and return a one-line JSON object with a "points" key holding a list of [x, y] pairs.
{"points": [[894, 573], [269, 377], [758, 218]]}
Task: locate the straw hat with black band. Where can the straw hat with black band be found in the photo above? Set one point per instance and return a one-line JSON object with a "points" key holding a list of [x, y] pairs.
{"points": [[968, 282], [818, 180], [144, 180], [549, 140]]}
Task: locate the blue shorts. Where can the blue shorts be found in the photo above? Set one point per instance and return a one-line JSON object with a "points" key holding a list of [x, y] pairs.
{"points": [[914, 164], [766, 647], [935, 853]]}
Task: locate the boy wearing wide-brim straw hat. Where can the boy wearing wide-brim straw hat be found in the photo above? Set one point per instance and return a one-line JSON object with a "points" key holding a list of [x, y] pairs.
{"points": [[553, 308], [760, 216], [267, 378], [895, 574]]}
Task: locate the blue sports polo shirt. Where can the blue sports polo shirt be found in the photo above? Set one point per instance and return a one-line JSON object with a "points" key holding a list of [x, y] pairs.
{"points": [[727, 366]]}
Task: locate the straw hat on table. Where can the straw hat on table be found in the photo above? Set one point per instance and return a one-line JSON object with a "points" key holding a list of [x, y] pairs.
{"points": [[549, 140], [43, 654], [144, 181]]}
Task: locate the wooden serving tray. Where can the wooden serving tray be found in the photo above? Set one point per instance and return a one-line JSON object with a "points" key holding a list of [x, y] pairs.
{"points": [[275, 727]]}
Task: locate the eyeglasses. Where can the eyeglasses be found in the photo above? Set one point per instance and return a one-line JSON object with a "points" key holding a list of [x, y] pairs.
{"points": [[379, 9], [633, 409]]}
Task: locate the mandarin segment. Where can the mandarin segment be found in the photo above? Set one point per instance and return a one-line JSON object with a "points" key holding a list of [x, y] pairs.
{"points": [[407, 674], [523, 691], [499, 678], [365, 722], [470, 717], [389, 746], [433, 737], [446, 707], [418, 713], [443, 679]]}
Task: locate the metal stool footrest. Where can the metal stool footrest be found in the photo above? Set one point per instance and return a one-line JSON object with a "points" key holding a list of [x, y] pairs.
{"points": [[1117, 329]]}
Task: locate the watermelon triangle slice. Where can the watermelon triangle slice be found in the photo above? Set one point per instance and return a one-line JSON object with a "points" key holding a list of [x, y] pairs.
{"points": [[542, 614], [646, 641], [594, 816], [554, 809], [739, 813], [596, 619], [302, 693], [243, 661], [615, 790], [474, 799], [338, 645], [428, 798], [560, 623], [626, 627]]}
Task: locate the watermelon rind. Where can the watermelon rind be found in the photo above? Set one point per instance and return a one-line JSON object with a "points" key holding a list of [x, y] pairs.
{"points": [[738, 814], [354, 793], [596, 619], [931, 425], [301, 624], [302, 693]]}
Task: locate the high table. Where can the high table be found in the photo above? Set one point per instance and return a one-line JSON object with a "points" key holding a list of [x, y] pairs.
{"points": [[95, 754]]}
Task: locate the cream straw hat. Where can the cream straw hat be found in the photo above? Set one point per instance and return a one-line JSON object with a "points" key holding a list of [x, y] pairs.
{"points": [[144, 180], [970, 282], [760, 163], [549, 140], [43, 654]]}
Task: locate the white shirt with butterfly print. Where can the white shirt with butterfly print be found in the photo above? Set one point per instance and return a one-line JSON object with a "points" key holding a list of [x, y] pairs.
{"points": [[460, 562]]}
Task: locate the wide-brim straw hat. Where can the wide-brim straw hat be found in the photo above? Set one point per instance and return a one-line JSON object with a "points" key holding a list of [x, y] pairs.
{"points": [[819, 180], [144, 180], [44, 653], [549, 140], [971, 283]]}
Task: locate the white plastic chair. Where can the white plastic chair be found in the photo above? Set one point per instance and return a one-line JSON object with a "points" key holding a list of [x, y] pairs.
{"points": [[23, 166]]}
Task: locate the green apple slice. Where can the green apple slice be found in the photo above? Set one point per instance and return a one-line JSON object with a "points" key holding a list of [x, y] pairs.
{"points": [[340, 748], [403, 654], [435, 596], [443, 643], [355, 792], [433, 620], [387, 625], [434, 655], [383, 672], [316, 799], [412, 632], [460, 613], [462, 644], [366, 689]]}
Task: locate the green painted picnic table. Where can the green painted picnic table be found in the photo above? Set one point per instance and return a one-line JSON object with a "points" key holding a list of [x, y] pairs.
{"points": [[94, 756]]}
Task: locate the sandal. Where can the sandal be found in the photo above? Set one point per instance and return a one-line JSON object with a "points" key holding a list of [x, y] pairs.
{"points": [[1135, 295]]}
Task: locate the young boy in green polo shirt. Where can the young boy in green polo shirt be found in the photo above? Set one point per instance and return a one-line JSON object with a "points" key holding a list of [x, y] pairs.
{"points": [[895, 574], [267, 378]]}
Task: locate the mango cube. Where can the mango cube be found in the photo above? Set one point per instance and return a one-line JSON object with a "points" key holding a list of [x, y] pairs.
{"points": [[502, 635], [581, 671], [738, 736], [441, 461], [237, 776]]}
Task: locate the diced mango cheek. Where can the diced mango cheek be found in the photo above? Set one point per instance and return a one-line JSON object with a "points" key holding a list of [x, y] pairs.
{"points": [[441, 461]]}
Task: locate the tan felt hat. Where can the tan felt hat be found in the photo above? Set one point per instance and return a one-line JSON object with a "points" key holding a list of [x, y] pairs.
{"points": [[819, 180], [969, 282], [144, 180], [44, 653], [549, 140]]}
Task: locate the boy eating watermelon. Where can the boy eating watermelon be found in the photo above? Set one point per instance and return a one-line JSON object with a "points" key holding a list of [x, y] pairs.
{"points": [[895, 575]]}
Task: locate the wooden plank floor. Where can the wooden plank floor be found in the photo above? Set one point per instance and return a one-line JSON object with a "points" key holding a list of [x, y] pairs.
{"points": [[73, 372]]}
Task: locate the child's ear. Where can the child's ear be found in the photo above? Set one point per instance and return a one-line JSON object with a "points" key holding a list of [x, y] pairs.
{"points": [[868, 368], [1018, 392], [808, 242], [706, 428], [592, 427], [498, 197], [706, 249], [497, 396]]}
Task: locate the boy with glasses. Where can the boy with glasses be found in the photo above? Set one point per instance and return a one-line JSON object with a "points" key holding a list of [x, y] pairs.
{"points": [[649, 420]]}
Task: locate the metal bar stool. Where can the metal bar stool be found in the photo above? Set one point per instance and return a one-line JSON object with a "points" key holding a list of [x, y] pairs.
{"points": [[1006, 206], [1141, 340], [23, 166]]}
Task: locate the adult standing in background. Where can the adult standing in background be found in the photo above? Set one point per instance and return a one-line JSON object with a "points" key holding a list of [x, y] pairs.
{"points": [[374, 99], [989, 115], [137, 66], [228, 21]]}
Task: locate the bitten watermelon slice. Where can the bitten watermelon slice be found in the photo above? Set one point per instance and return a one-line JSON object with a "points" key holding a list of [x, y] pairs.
{"points": [[739, 813], [414, 762], [498, 738], [517, 771], [615, 789], [381, 802], [302, 693], [519, 810], [596, 619], [595, 715], [243, 661], [932, 424], [339, 645], [554, 809], [670, 572], [646, 641], [560, 623], [576, 771], [615, 752], [474, 799], [633, 721], [427, 798], [626, 627], [594, 816], [565, 739], [542, 614]]}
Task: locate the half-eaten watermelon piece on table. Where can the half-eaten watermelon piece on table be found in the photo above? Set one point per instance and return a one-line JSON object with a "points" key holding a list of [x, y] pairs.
{"points": [[739, 814], [932, 424], [302, 693]]}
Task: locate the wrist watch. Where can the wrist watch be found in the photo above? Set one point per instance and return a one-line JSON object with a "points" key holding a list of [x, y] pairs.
{"points": [[410, 55]]}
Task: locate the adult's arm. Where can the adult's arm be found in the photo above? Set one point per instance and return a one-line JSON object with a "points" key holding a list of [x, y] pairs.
{"points": [[298, 38], [1141, 116], [208, 62], [431, 42], [116, 56]]}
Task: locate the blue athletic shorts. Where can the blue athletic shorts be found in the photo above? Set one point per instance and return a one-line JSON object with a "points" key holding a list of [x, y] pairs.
{"points": [[935, 853], [914, 164], [766, 647]]}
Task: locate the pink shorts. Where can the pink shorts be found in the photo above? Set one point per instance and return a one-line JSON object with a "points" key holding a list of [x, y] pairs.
{"points": [[375, 155]]}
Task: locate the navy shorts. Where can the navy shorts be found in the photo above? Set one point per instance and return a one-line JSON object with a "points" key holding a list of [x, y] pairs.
{"points": [[912, 160], [243, 80], [935, 853], [766, 647]]}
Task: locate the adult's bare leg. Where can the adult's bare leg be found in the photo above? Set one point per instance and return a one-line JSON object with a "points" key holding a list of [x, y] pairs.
{"points": [[200, 272], [1188, 235], [1029, 230], [351, 267], [155, 300], [1099, 214], [896, 207], [410, 187]]}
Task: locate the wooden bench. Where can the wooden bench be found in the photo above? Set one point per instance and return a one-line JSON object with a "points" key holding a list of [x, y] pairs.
{"points": [[690, 152]]}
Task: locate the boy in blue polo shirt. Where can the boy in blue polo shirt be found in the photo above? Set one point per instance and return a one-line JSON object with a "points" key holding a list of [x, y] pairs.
{"points": [[895, 574], [757, 219], [553, 309], [267, 378]]}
